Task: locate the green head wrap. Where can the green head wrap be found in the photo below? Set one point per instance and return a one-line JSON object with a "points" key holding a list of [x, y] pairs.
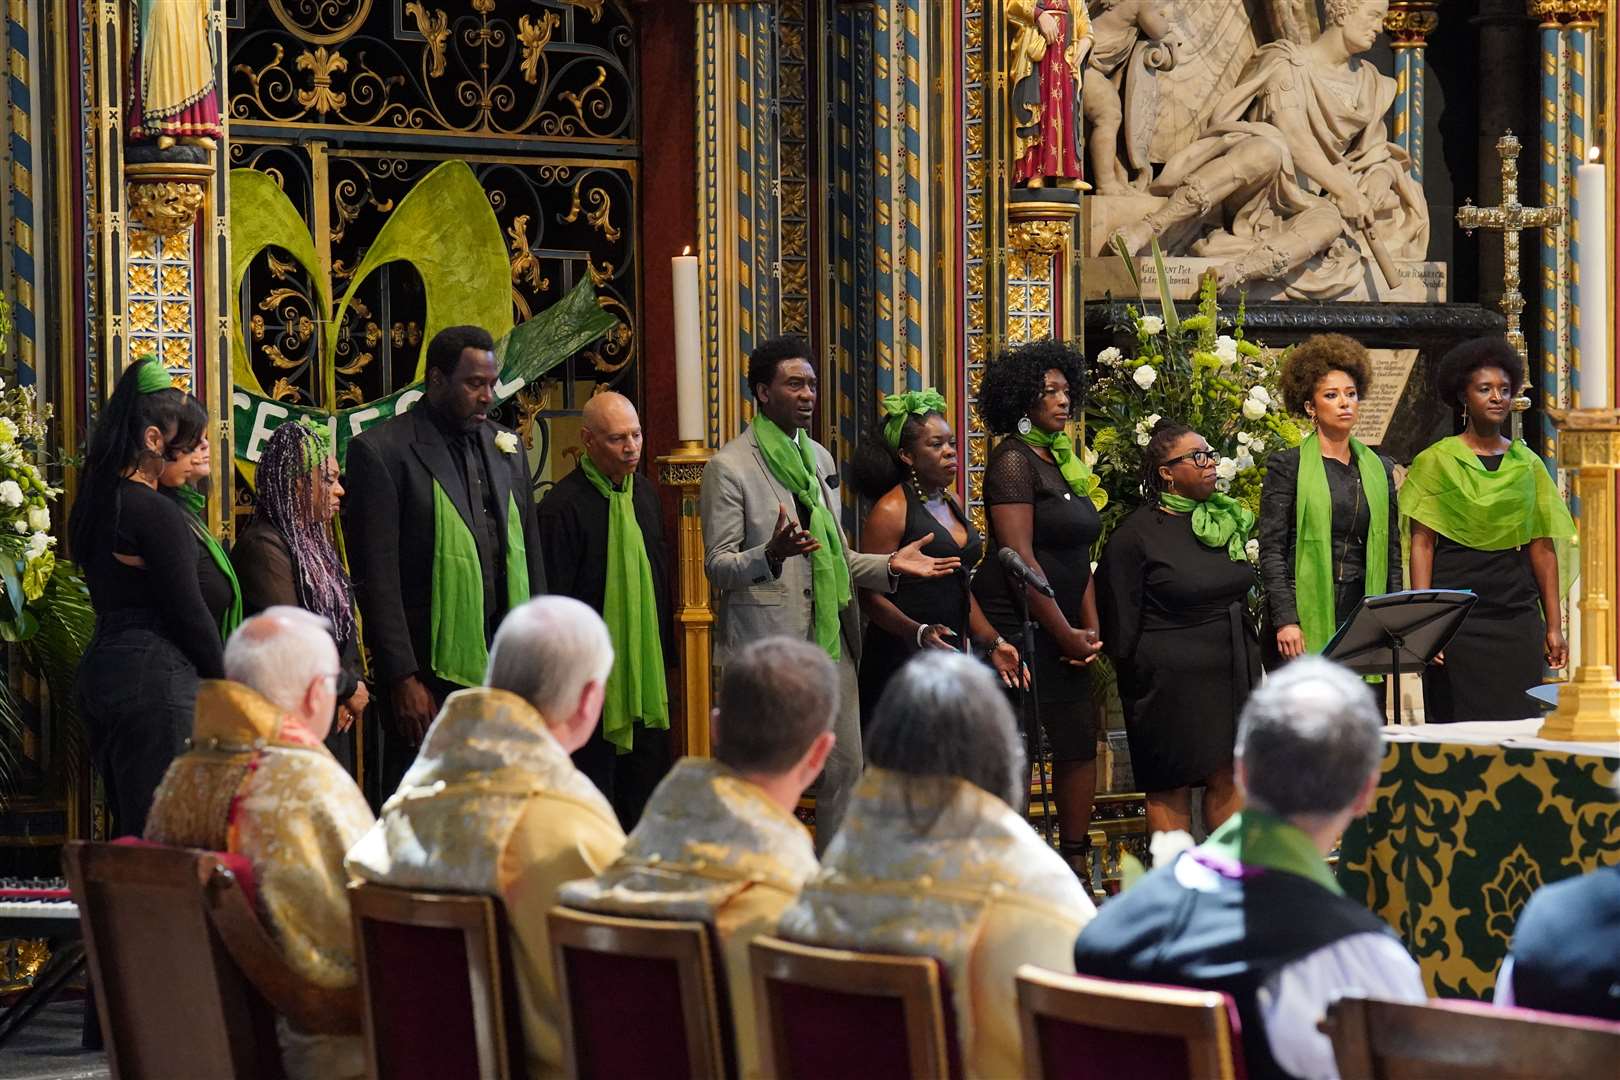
{"points": [[901, 407], [152, 376], [319, 446]]}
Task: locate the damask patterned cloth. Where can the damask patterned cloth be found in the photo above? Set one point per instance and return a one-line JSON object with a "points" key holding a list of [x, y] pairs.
{"points": [[712, 848], [259, 785], [1464, 829], [941, 868], [494, 805]]}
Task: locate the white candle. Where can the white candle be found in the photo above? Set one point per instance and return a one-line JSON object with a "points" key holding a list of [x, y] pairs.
{"points": [[691, 389], [1597, 361]]}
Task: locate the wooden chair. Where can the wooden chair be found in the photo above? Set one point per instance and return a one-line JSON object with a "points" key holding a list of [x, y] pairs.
{"points": [[1462, 1040], [664, 973], [1080, 1028], [188, 981], [832, 1012], [437, 985]]}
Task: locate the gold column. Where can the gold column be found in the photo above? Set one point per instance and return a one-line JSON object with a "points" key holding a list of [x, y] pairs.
{"points": [[682, 469], [1589, 704]]}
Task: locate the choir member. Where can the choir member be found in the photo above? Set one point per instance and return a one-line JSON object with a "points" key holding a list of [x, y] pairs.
{"points": [[222, 592]]}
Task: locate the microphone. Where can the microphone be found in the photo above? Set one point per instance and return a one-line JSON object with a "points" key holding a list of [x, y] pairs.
{"points": [[1018, 570]]}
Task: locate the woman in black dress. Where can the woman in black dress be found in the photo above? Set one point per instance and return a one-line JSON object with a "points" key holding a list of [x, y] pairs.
{"points": [[1036, 495], [154, 635], [1171, 587], [215, 574], [908, 474], [1485, 515], [1328, 509]]}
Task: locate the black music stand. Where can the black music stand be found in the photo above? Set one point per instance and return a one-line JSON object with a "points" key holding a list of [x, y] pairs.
{"points": [[1399, 631], [1030, 708]]}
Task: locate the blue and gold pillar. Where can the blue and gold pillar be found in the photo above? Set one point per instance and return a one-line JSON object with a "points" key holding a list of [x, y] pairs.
{"points": [[1409, 23]]}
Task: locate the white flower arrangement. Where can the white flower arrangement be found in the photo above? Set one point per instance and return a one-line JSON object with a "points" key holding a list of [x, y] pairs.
{"points": [[1151, 325], [1110, 356], [1145, 376]]}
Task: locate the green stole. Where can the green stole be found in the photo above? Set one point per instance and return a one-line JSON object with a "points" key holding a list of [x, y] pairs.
{"points": [[792, 463], [460, 654], [1219, 521], [635, 687], [194, 501], [1313, 538], [1252, 837]]}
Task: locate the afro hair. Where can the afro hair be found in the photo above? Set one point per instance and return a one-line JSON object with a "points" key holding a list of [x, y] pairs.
{"points": [[1013, 381], [1459, 365], [1313, 359]]}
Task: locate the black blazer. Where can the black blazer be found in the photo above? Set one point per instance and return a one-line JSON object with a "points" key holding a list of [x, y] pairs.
{"points": [[1277, 534], [388, 517]]}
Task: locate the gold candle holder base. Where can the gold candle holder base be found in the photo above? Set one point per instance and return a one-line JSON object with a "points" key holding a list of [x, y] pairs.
{"points": [[682, 468]]}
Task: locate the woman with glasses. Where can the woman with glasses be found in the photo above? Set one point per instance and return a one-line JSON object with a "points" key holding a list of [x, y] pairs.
{"points": [[1172, 587], [1037, 498], [1329, 521], [285, 557], [154, 636]]}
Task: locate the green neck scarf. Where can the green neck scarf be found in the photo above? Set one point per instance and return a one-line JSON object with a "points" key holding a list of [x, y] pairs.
{"points": [[1450, 490], [1075, 472], [901, 407], [1253, 837], [460, 651], [635, 686], [195, 501], [795, 469], [1220, 521], [1313, 538]]}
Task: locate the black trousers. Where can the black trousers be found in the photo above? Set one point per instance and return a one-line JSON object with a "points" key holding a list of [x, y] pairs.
{"points": [[628, 779], [138, 698]]}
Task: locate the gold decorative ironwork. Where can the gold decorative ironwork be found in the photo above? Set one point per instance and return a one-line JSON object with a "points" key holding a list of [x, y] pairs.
{"points": [[593, 7], [597, 216], [435, 30], [322, 65], [323, 22], [534, 36]]}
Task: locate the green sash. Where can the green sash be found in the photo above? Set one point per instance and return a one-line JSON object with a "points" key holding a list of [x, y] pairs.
{"points": [[635, 686], [1313, 538], [194, 501], [1220, 521], [1075, 471], [1452, 492], [794, 467], [460, 653]]}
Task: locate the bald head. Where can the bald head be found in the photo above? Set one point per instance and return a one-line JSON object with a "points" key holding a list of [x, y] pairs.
{"points": [[287, 655], [611, 432]]}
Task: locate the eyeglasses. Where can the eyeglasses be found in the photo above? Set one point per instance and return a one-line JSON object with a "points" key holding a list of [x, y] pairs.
{"points": [[1203, 459]]}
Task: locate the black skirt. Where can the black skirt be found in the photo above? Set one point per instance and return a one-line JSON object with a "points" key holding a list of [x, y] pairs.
{"points": [[1497, 655]]}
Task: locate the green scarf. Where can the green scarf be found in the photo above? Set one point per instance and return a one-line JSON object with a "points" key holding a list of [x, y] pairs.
{"points": [[793, 466], [1313, 538], [635, 687], [460, 652], [194, 501], [1452, 492], [901, 407], [1075, 471], [1253, 837], [1219, 521]]}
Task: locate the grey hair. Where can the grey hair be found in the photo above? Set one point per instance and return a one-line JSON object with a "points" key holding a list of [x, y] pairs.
{"points": [[777, 695], [1309, 738], [547, 651], [279, 652], [945, 715]]}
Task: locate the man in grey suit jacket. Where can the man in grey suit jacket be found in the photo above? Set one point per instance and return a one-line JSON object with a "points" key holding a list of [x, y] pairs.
{"points": [[757, 546]]}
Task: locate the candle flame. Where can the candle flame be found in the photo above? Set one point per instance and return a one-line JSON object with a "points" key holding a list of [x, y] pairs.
{"points": [[1593, 154], [687, 250]]}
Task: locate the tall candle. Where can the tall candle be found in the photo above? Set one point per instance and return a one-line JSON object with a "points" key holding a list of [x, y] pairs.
{"points": [[690, 385], [1597, 361]]}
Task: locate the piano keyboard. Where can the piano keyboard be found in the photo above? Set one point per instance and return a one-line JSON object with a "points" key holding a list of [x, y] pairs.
{"points": [[41, 904]]}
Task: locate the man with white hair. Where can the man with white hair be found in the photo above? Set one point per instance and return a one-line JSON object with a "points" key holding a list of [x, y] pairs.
{"points": [[1254, 911], [258, 782], [494, 805]]}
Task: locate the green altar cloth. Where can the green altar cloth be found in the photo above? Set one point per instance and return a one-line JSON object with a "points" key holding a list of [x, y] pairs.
{"points": [[1468, 821]]}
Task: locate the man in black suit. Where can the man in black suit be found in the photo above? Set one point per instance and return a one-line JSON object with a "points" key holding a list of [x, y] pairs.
{"points": [[442, 539]]}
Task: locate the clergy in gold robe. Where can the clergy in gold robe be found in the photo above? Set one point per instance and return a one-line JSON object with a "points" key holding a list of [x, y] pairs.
{"points": [[258, 783], [718, 843], [933, 859], [494, 805]]}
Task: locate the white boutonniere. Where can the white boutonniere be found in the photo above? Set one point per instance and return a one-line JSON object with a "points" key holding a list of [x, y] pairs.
{"points": [[506, 442]]}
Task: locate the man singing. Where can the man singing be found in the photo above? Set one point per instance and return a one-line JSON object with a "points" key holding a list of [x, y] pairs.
{"points": [[603, 544], [442, 539]]}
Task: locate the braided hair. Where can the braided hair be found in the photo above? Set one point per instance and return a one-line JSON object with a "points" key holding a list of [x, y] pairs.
{"points": [[1156, 453], [286, 495]]}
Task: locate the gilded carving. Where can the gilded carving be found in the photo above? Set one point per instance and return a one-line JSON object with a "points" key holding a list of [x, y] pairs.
{"points": [[534, 36], [1567, 11], [164, 207], [597, 216], [322, 65], [1410, 22], [435, 30], [1043, 235]]}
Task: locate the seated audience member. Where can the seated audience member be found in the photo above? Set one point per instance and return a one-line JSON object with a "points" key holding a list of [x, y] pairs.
{"points": [[1566, 949], [933, 858], [718, 842], [494, 805], [257, 782], [1254, 911]]}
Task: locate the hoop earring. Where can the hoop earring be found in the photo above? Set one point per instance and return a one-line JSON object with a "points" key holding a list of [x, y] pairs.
{"points": [[1024, 426]]}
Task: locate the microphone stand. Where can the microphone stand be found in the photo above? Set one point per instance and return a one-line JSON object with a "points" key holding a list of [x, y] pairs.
{"points": [[1031, 708]]}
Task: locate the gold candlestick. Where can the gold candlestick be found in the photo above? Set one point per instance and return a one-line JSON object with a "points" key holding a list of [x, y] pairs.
{"points": [[694, 618], [1589, 703]]}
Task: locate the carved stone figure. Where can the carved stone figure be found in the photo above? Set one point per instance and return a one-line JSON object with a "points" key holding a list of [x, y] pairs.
{"points": [[173, 94], [1119, 31], [1295, 177], [1053, 38]]}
